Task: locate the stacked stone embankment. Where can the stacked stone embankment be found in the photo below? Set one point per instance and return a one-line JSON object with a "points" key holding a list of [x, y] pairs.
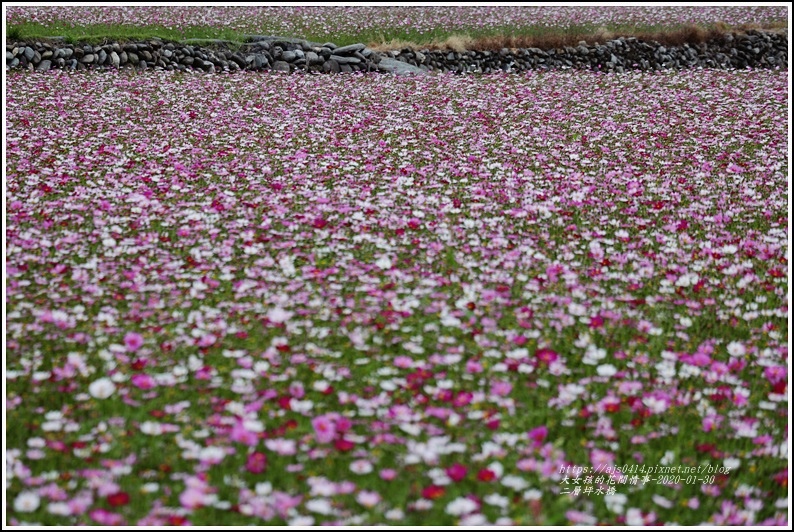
{"points": [[754, 49]]}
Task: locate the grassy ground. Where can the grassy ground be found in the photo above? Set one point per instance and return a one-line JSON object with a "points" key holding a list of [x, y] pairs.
{"points": [[476, 39]]}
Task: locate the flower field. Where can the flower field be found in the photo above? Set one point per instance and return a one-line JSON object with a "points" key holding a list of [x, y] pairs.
{"points": [[361, 22], [346, 19], [551, 298]]}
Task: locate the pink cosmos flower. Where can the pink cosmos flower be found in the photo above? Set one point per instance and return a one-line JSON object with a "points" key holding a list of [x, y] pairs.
{"points": [[403, 362], [711, 422], [106, 518], [278, 315], [388, 474], [368, 498], [191, 498], [133, 341], [143, 381], [107, 488], [501, 388], [324, 428], [81, 503], [297, 390], [284, 502], [580, 518], [600, 457], [281, 446], [242, 435], [473, 366]]}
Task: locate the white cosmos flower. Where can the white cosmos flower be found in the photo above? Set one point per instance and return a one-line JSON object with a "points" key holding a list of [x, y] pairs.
{"points": [[593, 354], [301, 521], [152, 428], [662, 501], [320, 506], [606, 370], [512, 481], [263, 488], [735, 349], [383, 263], [494, 499], [52, 426], [732, 463], [27, 501], [287, 266], [496, 467], [474, 520], [102, 388], [395, 514], [36, 442], [212, 455], [150, 487], [254, 425], [361, 467], [320, 386], [615, 502], [634, 517], [59, 508], [423, 504], [687, 279], [279, 315], [461, 506]]}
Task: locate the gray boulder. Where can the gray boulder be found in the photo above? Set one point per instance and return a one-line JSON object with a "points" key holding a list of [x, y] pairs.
{"points": [[349, 49], [398, 67], [281, 66]]}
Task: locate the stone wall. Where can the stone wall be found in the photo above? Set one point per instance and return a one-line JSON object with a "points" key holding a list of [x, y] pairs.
{"points": [[731, 51]]}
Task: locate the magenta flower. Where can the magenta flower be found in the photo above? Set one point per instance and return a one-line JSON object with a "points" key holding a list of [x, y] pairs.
{"points": [[546, 356], [256, 462], [343, 424], [457, 472], [133, 341], [462, 398], [538, 435], [775, 374]]}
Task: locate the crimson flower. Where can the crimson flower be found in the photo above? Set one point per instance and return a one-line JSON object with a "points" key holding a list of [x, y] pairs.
{"points": [[120, 498], [433, 492]]}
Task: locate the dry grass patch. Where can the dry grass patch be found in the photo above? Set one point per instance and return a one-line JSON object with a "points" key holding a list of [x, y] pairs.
{"points": [[691, 34]]}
